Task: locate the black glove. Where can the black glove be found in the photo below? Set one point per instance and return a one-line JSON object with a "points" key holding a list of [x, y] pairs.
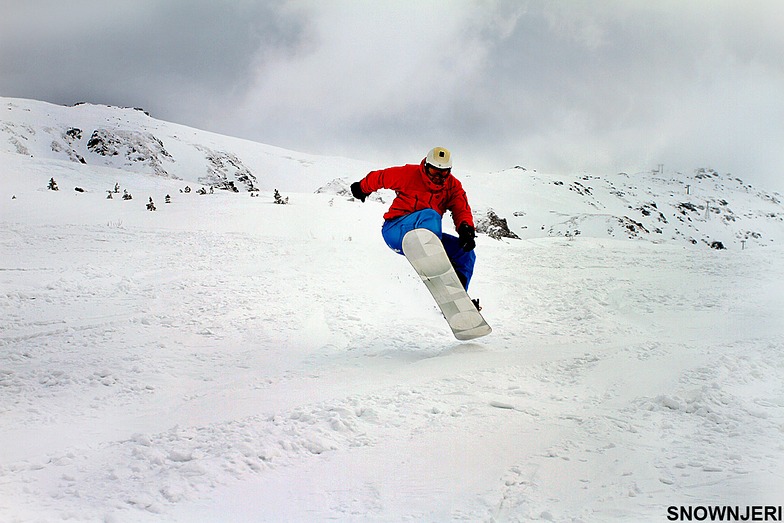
{"points": [[467, 235], [356, 191]]}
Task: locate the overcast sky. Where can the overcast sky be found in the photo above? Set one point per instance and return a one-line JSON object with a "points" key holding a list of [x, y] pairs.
{"points": [[554, 85]]}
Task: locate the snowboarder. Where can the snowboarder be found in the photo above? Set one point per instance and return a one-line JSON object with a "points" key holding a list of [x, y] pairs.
{"points": [[424, 192]]}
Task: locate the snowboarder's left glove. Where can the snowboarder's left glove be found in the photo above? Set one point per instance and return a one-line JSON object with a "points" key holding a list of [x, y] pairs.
{"points": [[356, 191], [467, 235]]}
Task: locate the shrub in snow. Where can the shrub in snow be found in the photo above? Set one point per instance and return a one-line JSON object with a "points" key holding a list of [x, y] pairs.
{"points": [[151, 205], [279, 199], [53, 185]]}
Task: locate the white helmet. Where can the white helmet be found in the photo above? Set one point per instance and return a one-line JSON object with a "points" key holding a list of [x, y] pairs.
{"points": [[439, 158]]}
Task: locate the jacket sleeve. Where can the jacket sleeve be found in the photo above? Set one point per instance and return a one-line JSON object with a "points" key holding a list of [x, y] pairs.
{"points": [[458, 205], [384, 179]]}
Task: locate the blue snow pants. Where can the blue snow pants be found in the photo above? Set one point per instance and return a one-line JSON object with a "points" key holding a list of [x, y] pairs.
{"points": [[394, 230]]}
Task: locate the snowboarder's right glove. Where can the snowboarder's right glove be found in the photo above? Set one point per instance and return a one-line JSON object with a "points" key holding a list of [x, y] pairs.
{"points": [[356, 191], [467, 235]]}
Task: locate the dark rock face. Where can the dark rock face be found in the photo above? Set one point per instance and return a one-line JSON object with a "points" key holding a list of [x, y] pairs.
{"points": [[494, 226]]}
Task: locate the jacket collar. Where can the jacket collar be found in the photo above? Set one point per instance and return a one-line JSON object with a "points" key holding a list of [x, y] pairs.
{"points": [[428, 182]]}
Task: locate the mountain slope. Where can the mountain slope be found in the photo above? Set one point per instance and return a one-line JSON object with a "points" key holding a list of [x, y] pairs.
{"points": [[696, 209], [131, 141], [703, 208]]}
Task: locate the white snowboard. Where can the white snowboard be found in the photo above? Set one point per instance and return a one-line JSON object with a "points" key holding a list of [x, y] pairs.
{"points": [[426, 253]]}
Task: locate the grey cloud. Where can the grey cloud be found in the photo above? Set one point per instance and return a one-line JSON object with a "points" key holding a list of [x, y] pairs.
{"points": [[151, 53], [554, 85], [631, 86]]}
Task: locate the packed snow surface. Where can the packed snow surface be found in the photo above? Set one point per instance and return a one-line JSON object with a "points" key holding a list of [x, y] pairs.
{"points": [[228, 359]]}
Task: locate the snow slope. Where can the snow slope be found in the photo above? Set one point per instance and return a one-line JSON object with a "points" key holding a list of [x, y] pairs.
{"points": [[131, 141], [702, 207], [228, 359]]}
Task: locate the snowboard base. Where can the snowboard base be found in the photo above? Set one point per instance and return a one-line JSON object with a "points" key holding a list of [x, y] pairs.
{"points": [[426, 253]]}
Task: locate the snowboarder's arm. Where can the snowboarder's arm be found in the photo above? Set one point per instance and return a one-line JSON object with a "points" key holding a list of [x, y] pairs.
{"points": [[390, 178], [375, 180], [367, 185], [458, 205]]}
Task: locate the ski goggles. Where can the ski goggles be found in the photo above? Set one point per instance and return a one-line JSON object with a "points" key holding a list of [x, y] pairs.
{"points": [[437, 174]]}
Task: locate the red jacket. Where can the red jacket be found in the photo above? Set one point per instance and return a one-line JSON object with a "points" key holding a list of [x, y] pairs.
{"points": [[415, 191]]}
